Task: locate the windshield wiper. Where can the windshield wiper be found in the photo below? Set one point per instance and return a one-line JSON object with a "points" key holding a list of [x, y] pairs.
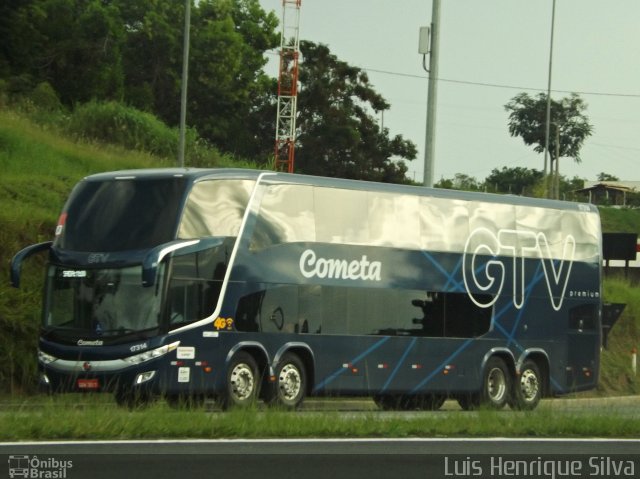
{"points": [[118, 330]]}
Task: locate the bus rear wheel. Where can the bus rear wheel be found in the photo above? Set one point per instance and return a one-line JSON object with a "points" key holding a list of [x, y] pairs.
{"points": [[290, 382], [496, 384], [243, 382], [527, 390]]}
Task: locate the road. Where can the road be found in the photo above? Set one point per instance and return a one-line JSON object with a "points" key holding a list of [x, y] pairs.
{"points": [[339, 458], [332, 458]]}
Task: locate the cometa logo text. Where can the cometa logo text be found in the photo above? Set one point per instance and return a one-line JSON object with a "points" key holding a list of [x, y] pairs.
{"points": [[334, 268]]}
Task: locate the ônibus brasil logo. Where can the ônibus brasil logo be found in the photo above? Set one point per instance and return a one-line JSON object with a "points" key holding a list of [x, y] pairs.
{"points": [[35, 467]]}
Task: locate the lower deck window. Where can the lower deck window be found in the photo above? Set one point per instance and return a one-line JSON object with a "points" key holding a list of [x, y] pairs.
{"points": [[314, 309]]}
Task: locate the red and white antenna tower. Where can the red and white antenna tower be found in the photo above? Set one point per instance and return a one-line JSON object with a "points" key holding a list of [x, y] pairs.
{"points": [[287, 86]]}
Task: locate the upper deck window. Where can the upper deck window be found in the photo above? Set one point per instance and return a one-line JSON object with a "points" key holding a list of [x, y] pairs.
{"points": [[122, 214], [215, 208], [292, 213], [304, 213]]}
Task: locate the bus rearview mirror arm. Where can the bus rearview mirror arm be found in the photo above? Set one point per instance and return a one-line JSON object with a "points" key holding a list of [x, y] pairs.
{"points": [[156, 255], [20, 256]]}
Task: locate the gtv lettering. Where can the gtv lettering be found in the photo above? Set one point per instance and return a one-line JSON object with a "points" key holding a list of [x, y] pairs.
{"points": [[362, 269], [485, 264]]}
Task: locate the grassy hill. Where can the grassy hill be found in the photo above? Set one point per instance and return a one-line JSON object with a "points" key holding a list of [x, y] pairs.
{"points": [[39, 167]]}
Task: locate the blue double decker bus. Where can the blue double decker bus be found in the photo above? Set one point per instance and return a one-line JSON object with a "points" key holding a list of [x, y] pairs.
{"points": [[249, 285]]}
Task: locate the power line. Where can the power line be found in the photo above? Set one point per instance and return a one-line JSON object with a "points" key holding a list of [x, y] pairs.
{"points": [[631, 148], [494, 85], [497, 85]]}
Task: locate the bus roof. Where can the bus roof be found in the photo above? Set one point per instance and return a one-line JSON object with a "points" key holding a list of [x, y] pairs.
{"points": [[193, 175]]}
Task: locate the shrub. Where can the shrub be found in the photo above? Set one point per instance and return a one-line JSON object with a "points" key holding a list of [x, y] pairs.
{"points": [[45, 98], [118, 124]]}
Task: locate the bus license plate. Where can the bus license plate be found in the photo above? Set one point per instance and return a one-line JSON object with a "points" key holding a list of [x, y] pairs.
{"points": [[91, 384]]}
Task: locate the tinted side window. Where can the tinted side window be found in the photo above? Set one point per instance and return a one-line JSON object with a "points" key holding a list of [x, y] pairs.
{"points": [[583, 317], [195, 284], [215, 208], [123, 214], [303, 213], [314, 309]]}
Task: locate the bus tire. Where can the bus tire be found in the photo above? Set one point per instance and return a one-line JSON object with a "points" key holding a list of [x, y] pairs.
{"points": [[185, 401], [243, 382], [430, 402], [386, 402], [527, 387], [468, 401], [496, 384], [409, 402], [396, 402], [290, 382], [131, 398]]}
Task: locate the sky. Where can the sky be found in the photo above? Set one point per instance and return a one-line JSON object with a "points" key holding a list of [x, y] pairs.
{"points": [[490, 51]]}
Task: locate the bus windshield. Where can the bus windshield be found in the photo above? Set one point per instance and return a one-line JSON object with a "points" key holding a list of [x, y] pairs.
{"points": [[105, 304]]}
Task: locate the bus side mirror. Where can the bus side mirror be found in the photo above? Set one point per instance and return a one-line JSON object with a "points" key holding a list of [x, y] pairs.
{"points": [[156, 255], [20, 256]]}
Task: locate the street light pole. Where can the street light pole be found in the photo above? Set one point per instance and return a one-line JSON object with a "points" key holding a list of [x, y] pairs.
{"points": [[429, 146], [185, 80], [548, 119]]}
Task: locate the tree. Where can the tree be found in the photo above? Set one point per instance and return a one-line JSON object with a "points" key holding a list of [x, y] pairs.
{"points": [[339, 134], [460, 181], [607, 177], [569, 127], [74, 45], [517, 181], [152, 55], [227, 81]]}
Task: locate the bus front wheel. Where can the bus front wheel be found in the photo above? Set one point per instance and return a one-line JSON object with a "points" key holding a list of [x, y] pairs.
{"points": [[290, 382], [132, 399], [242, 381]]}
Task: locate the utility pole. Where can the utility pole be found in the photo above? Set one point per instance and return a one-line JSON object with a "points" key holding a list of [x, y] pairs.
{"points": [[185, 80], [432, 50], [548, 119]]}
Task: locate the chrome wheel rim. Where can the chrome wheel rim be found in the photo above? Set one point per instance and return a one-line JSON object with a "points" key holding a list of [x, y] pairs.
{"points": [[496, 385], [529, 385], [289, 382], [242, 382]]}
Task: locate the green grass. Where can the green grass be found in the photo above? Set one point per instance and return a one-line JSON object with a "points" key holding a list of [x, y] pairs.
{"points": [[39, 167], [620, 220], [617, 374], [59, 421]]}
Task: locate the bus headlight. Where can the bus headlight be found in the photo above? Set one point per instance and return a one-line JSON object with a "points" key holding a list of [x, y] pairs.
{"points": [[152, 354], [45, 358], [144, 377]]}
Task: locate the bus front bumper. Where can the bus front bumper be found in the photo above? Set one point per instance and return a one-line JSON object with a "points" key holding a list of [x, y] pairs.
{"points": [[138, 371]]}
